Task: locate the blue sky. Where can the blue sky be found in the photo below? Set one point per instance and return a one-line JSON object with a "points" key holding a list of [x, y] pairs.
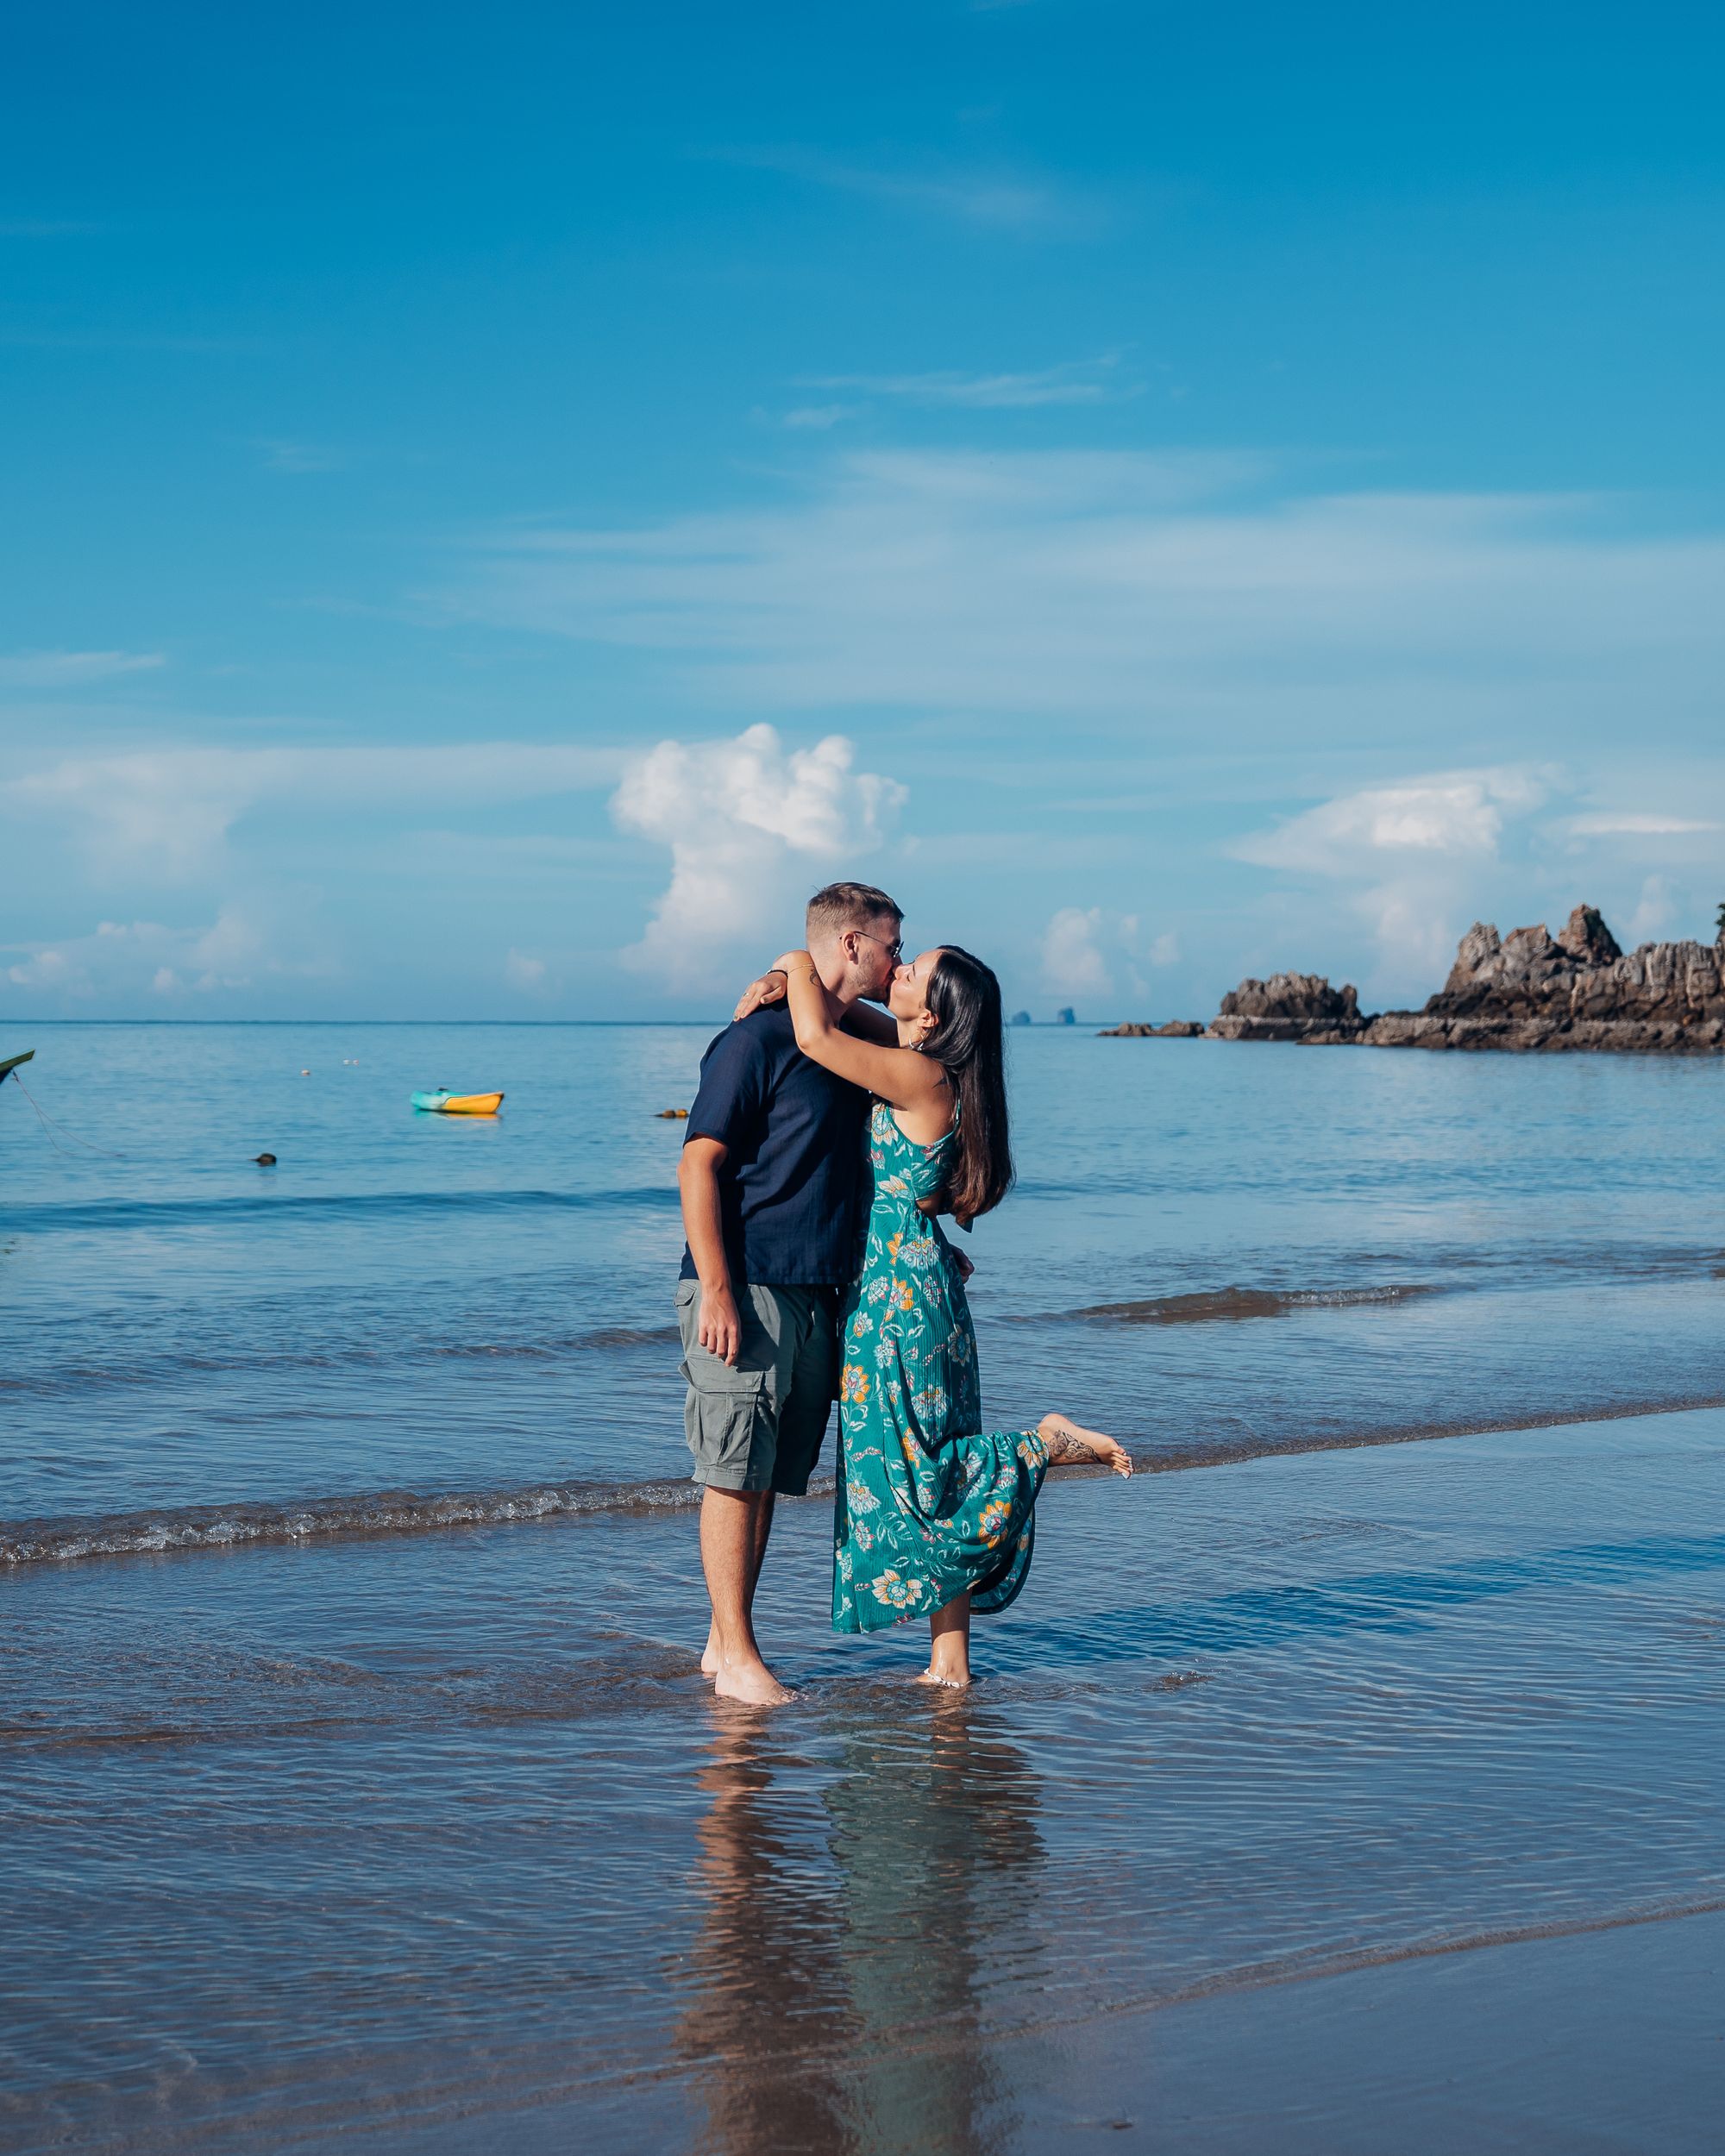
{"points": [[498, 507]]}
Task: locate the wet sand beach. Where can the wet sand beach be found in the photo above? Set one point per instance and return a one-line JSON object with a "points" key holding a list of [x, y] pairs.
{"points": [[1325, 1802]]}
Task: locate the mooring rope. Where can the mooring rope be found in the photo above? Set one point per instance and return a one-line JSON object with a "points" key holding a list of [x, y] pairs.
{"points": [[50, 1127]]}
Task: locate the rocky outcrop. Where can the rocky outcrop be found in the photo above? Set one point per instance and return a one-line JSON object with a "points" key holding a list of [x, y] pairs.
{"points": [[1175, 1030], [1290, 1007], [1529, 991], [1534, 991]]}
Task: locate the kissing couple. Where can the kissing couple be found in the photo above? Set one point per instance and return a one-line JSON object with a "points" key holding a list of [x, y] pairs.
{"points": [[820, 1123]]}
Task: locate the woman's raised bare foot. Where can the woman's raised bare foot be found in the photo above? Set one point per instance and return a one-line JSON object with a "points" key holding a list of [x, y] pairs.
{"points": [[751, 1683], [1071, 1443]]}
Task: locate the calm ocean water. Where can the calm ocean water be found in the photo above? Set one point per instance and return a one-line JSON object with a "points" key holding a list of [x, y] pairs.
{"points": [[1212, 1249], [313, 1832]]}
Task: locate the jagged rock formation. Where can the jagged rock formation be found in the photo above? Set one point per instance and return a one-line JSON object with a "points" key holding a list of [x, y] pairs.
{"points": [[1290, 1007], [1175, 1030], [1530, 990], [1526, 990]]}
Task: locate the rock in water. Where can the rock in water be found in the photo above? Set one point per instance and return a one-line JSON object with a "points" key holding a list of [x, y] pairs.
{"points": [[1290, 1007], [1532, 991], [265, 1160], [1175, 1030]]}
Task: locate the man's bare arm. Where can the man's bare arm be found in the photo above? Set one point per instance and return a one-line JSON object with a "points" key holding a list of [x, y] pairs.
{"points": [[720, 1330]]}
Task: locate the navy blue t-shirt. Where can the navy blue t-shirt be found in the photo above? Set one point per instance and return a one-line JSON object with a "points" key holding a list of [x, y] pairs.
{"points": [[789, 1184]]}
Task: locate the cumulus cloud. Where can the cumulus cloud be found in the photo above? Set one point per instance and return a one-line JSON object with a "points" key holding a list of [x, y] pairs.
{"points": [[1090, 953], [236, 950], [1414, 852], [1451, 816], [749, 825], [169, 811]]}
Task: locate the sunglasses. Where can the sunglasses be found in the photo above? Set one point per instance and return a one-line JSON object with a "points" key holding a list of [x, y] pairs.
{"points": [[894, 950]]}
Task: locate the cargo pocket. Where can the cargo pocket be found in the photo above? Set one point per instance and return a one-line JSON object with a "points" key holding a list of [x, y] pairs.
{"points": [[728, 1419]]}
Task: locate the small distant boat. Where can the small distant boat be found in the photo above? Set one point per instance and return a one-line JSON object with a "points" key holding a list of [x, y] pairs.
{"points": [[444, 1102]]}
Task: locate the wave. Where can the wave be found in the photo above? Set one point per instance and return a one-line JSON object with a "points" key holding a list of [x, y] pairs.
{"points": [[362, 1513], [225, 1526], [68, 1379], [1212, 1306], [351, 1204]]}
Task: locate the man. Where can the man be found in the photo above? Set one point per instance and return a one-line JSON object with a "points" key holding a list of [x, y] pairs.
{"points": [[770, 1180]]}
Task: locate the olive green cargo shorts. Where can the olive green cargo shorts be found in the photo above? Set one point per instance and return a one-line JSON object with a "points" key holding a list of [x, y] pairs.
{"points": [[758, 1425]]}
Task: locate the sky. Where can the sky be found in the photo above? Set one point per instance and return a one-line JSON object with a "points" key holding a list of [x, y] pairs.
{"points": [[500, 505]]}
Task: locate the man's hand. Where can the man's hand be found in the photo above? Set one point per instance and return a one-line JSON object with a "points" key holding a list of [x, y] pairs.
{"points": [[769, 989], [720, 1330]]}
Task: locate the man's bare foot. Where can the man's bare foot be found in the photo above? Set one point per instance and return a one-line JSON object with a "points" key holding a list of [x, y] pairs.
{"points": [[752, 1683], [710, 1654], [1071, 1442]]}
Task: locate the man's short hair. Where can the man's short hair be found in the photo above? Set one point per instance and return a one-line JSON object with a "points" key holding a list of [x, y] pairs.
{"points": [[843, 905]]}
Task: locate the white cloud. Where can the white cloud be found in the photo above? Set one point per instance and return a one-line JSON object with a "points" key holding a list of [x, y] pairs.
{"points": [[1414, 852], [817, 418], [71, 669], [280, 455], [1613, 823], [1091, 954], [996, 200], [44, 968], [1156, 592], [749, 827], [1072, 960], [1660, 904], [170, 810], [236, 950], [1073, 382], [1452, 815], [522, 971]]}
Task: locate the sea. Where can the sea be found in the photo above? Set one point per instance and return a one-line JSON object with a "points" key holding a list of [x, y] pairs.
{"points": [[357, 1779]]}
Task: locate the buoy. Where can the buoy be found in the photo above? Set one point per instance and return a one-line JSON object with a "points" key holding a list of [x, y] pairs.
{"points": [[672, 1115], [265, 1160], [305, 1074]]}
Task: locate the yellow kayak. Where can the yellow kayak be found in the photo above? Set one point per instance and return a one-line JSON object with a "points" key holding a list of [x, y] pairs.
{"points": [[446, 1103]]}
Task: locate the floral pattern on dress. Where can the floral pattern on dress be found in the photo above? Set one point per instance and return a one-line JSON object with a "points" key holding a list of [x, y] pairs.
{"points": [[929, 1504]]}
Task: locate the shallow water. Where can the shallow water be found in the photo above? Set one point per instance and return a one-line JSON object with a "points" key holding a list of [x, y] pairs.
{"points": [[388, 1832], [346, 1831]]}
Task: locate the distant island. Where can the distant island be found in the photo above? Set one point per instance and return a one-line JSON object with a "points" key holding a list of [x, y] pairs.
{"points": [[1526, 991]]}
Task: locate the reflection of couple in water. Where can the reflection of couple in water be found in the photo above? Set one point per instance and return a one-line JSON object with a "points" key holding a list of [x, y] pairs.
{"points": [[935, 1517], [863, 1900]]}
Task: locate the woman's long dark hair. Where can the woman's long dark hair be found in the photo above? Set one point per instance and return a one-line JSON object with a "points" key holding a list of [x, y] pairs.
{"points": [[965, 998]]}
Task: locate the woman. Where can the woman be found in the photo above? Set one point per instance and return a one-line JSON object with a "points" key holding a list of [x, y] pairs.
{"points": [[934, 1516]]}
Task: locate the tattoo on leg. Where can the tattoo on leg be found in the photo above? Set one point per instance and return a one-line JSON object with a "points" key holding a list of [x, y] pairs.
{"points": [[1061, 1447]]}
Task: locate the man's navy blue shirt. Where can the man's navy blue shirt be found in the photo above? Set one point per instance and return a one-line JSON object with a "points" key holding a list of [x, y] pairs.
{"points": [[792, 1134]]}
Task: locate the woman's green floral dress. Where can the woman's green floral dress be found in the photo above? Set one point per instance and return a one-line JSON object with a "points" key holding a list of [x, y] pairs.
{"points": [[928, 1504]]}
